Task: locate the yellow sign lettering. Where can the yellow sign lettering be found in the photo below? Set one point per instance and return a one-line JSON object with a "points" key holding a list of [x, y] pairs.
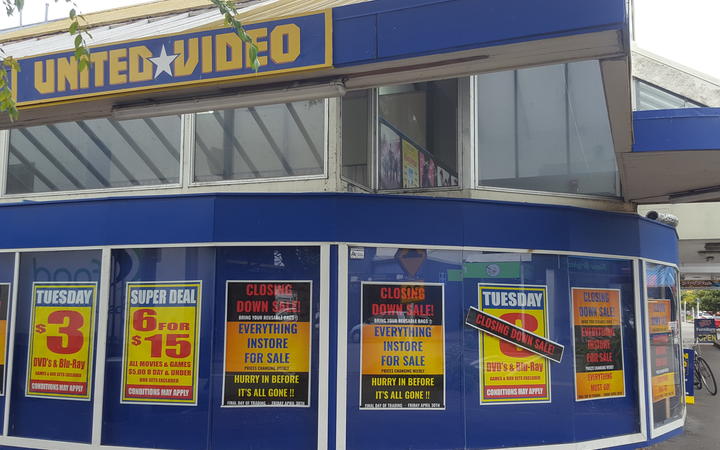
{"points": [[45, 79], [67, 73], [281, 35], [225, 60], [187, 60], [140, 68], [259, 37], [97, 60], [118, 66]]}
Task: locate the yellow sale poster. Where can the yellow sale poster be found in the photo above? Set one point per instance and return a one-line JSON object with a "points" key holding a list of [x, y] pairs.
{"points": [[411, 165], [510, 374], [402, 346], [4, 306], [62, 333], [160, 353], [660, 315], [597, 324], [268, 342], [663, 386]]}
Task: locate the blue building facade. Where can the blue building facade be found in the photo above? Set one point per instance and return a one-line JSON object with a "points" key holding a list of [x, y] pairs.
{"points": [[408, 228]]}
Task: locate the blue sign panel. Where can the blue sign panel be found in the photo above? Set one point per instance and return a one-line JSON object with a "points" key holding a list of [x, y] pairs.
{"points": [[284, 45], [705, 330], [689, 364]]}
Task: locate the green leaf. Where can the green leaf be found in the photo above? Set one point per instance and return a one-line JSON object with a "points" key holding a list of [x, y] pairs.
{"points": [[82, 65], [78, 41], [73, 14], [73, 28], [19, 4]]}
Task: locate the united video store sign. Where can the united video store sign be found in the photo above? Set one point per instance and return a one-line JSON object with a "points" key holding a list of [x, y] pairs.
{"points": [[284, 45]]}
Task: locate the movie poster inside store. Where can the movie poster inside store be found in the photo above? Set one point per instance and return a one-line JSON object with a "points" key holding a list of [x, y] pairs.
{"points": [[427, 171], [411, 165], [390, 163], [662, 358], [4, 306], [160, 351], [402, 346], [597, 324], [510, 374], [62, 330], [268, 337]]}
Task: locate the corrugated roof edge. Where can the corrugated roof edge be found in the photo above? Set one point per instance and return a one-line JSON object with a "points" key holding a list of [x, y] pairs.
{"points": [[101, 18]]}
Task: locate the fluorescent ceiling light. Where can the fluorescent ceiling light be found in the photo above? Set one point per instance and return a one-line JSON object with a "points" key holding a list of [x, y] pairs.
{"points": [[243, 100]]}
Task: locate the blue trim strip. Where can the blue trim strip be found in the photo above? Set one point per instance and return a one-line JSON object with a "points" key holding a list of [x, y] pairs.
{"points": [[332, 217], [677, 129]]}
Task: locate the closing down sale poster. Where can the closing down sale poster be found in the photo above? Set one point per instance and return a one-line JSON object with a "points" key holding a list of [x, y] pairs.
{"points": [[508, 373], [402, 346], [268, 338], [597, 323]]}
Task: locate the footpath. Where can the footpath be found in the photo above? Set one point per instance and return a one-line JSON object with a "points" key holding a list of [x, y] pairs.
{"points": [[702, 426]]}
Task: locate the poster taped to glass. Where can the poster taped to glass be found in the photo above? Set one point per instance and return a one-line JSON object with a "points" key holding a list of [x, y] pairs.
{"points": [[268, 340]]}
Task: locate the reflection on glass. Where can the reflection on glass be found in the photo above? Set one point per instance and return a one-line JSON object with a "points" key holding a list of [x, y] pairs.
{"points": [[546, 129], [94, 154], [649, 97], [665, 346], [355, 156], [272, 141]]}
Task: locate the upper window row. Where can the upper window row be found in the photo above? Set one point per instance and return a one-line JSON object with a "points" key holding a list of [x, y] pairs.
{"points": [[540, 129]]}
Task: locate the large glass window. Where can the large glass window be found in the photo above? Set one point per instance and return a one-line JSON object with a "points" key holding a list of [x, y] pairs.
{"points": [[648, 96], [409, 351], [273, 141], [666, 376], [546, 129], [94, 154], [418, 135]]}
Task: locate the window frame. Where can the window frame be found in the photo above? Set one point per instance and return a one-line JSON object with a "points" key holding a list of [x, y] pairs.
{"points": [[462, 93], [192, 149], [5, 165], [475, 160]]}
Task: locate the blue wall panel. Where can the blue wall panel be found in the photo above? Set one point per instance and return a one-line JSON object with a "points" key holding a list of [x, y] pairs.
{"points": [[676, 129], [333, 217], [396, 29]]}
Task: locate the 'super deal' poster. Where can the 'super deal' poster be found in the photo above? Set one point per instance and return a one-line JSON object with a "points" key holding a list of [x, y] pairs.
{"points": [[62, 333], [268, 340], [597, 323], [402, 346], [510, 374], [160, 352]]}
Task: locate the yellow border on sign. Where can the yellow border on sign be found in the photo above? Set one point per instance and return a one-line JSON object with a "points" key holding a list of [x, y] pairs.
{"points": [[91, 344], [196, 346], [481, 343], [167, 86]]}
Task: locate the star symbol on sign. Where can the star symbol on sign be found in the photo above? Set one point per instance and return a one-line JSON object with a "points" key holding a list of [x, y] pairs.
{"points": [[162, 62]]}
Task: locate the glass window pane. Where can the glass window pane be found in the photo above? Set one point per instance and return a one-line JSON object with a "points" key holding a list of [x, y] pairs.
{"points": [[126, 420], [283, 140], [650, 97], [666, 375], [355, 130], [94, 154], [546, 129], [418, 135], [53, 360]]}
